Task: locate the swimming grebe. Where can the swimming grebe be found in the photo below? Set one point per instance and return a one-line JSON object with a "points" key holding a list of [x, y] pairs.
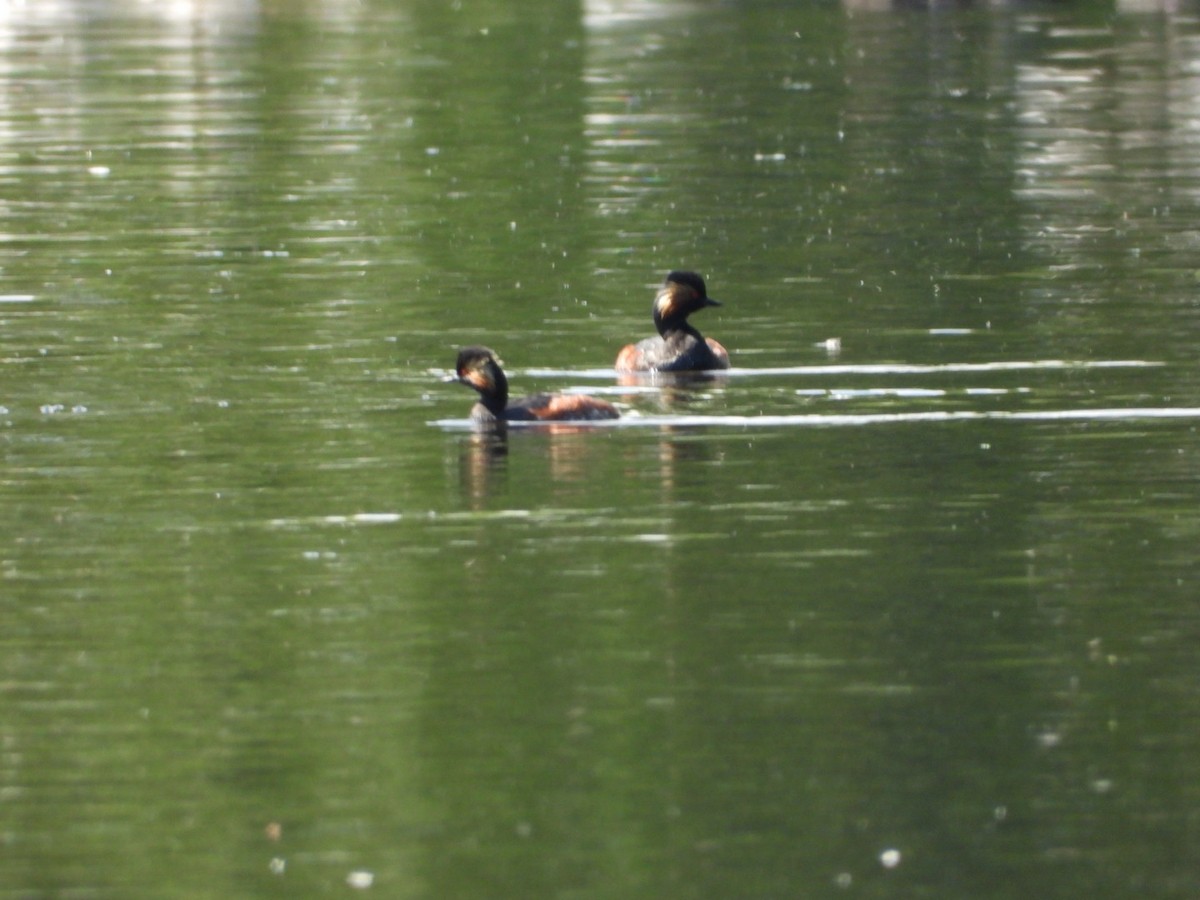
{"points": [[679, 346], [478, 368]]}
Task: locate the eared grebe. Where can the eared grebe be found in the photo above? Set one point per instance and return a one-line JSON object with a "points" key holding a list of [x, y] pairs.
{"points": [[679, 347], [477, 367]]}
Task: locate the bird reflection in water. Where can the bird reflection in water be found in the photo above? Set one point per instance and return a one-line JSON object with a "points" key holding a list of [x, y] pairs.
{"points": [[483, 455], [672, 392]]}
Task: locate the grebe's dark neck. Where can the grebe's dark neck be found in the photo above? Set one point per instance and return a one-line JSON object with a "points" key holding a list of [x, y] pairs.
{"points": [[495, 398]]}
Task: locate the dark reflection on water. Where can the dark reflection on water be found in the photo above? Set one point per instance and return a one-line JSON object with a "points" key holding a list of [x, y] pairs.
{"points": [[904, 603]]}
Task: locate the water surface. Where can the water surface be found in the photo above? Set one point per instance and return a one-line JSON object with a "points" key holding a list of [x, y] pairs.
{"points": [[911, 611]]}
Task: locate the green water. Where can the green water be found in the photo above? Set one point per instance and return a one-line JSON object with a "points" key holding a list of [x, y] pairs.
{"points": [[915, 618]]}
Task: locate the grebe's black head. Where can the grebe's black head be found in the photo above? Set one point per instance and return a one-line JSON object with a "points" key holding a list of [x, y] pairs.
{"points": [[682, 293], [478, 368]]}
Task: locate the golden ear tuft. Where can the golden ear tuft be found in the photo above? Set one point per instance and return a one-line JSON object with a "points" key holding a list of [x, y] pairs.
{"points": [[476, 379], [665, 302]]}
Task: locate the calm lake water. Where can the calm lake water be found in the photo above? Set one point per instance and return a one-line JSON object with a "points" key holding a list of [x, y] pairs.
{"points": [[910, 616]]}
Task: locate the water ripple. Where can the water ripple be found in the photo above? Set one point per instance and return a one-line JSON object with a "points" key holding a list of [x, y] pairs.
{"points": [[864, 369], [821, 420]]}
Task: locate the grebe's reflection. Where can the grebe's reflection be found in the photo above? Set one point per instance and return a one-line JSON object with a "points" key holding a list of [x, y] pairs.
{"points": [[484, 452]]}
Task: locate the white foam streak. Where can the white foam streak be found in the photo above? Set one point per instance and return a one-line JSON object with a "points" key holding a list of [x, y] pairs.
{"points": [[820, 420], [1043, 415], [1031, 365]]}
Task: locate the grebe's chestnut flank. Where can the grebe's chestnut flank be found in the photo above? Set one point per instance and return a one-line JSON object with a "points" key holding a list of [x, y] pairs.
{"points": [[679, 347], [478, 368]]}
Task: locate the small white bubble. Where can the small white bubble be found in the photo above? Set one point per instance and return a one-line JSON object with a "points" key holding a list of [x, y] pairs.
{"points": [[890, 858], [360, 879], [277, 866], [1049, 739], [831, 345]]}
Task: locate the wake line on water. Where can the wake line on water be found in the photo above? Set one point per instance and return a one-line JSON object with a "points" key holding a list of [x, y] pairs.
{"points": [[864, 369], [823, 420]]}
